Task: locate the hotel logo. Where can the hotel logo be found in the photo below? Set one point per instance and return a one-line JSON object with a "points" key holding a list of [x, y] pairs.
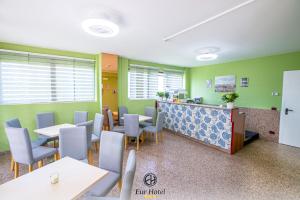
{"points": [[150, 180]]}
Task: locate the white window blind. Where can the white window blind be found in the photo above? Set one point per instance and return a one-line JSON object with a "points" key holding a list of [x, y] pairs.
{"points": [[144, 82], [173, 80], [35, 78]]}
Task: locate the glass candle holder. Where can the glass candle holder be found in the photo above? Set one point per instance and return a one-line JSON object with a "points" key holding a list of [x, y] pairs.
{"points": [[54, 178]]}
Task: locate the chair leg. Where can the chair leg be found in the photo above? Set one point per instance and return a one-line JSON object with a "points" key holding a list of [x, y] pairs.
{"points": [[90, 156], [95, 146], [56, 156], [126, 141], [137, 143], [12, 164], [16, 168], [120, 184], [30, 168], [156, 137], [40, 163], [146, 135], [142, 137]]}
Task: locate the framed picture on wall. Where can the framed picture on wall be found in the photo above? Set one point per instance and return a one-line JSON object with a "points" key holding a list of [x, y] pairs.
{"points": [[208, 83], [244, 82], [225, 83]]}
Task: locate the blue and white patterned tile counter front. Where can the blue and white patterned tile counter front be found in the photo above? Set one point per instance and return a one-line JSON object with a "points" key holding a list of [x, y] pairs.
{"points": [[208, 124]]}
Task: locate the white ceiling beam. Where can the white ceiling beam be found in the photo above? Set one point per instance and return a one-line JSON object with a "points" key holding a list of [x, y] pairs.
{"points": [[170, 37]]}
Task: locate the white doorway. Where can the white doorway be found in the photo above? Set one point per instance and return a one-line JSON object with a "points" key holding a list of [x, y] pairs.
{"points": [[289, 133]]}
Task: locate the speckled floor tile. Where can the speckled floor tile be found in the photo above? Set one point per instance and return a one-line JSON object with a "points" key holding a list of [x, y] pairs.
{"points": [[189, 170]]}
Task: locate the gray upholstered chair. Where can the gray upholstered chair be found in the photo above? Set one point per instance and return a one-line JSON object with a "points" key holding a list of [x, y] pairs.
{"points": [[15, 123], [73, 143], [80, 117], [150, 112], [22, 151], [97, 129], [132, 128], [89, 132], [110, 159], [122, 110], [158, 128], [44, 120], [119, 129], [127, 180]]}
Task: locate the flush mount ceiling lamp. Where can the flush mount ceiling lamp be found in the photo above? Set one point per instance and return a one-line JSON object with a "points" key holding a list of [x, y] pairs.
{"points": [[207, 57], [100, 27], [207, 53], [170, 37]]}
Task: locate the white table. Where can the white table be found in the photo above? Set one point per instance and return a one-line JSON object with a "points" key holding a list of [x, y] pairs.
{"points": [[142, 118], [75, 179], [53, 131]]}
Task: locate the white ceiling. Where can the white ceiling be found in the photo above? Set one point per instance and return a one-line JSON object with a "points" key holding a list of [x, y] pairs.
{"points": [[264, 27]]}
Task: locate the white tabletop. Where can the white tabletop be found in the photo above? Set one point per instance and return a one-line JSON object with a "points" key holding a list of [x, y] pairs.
{"points": [[75, 179], [53, 131], [142, 118]]}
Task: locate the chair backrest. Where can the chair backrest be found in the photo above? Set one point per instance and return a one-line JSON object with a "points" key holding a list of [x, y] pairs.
{"points": [[98, 124], [13, 123], [20, 145], [110, 120], [111, 152], [122, 110], [73, 142], [131, 123], [160, 121], [128, 176], [89, 131], [80, 117], [44, 120], [150, 112]]}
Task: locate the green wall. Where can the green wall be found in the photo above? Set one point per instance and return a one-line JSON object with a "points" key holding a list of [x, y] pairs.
{"points": [[137, 106], [265, 76], [63, 111]]}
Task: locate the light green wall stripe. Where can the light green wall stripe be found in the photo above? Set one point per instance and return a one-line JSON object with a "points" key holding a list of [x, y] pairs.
{"points": [[265, 75], [18, 47], [63, 111]]}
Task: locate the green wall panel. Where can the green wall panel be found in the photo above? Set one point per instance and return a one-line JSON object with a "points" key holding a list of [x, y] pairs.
{"points": [[265, 76], [137, 106], [63, 111]]}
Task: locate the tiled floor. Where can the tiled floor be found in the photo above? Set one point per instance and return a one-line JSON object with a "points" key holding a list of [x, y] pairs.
{"points": [[189, 170]]}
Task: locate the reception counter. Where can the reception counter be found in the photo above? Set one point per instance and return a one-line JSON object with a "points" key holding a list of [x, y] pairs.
{"points": [[217, 127]]}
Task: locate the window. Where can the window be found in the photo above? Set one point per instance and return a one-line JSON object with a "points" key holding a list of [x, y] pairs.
{"points": [[173, 80], [144, 82], [36, 78]]}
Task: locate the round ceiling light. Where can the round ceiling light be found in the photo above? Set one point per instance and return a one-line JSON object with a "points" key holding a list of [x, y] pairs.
{"points": [[100, 27], [206, 57], [207, 53]]}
